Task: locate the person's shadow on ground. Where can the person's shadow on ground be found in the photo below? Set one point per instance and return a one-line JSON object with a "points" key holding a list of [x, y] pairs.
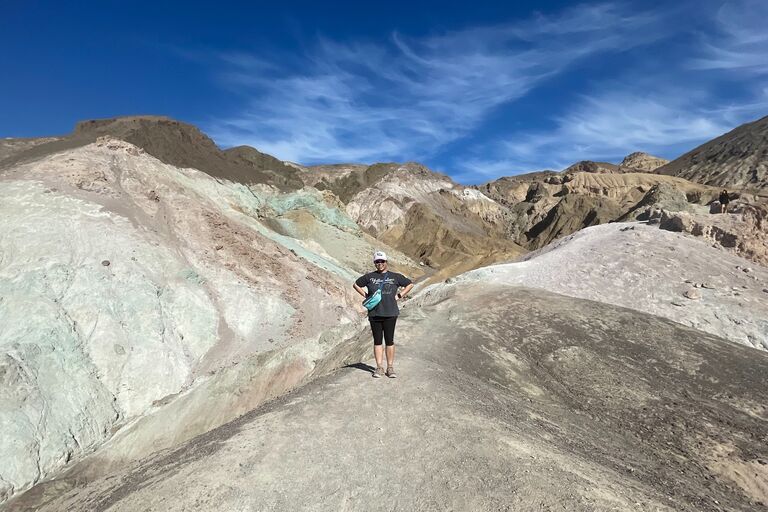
{"points": [[361, 366]]}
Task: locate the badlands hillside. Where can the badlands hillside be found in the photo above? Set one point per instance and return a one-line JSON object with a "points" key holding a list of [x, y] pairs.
{"points": [[178, 331], [429, 217], [735, 160], [425, 214], [634, 162], [129, 284], [544, 207]]}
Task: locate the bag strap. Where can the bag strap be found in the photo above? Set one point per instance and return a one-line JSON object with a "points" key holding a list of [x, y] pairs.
{"points": [[383, 281]]}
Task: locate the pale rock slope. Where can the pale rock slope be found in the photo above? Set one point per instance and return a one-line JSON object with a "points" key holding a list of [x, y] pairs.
{"points": [[637, 266], [128, 285]]}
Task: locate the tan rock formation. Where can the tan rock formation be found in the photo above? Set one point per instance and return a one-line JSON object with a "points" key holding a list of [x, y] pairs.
{"points": [[546, 206], [315, 174], [640, 161], [592, 167], [423, 213], [743, 231]]}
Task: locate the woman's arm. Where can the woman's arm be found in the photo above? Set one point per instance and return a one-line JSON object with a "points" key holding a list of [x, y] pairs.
{"points": [[359, 290], [405, 291]]}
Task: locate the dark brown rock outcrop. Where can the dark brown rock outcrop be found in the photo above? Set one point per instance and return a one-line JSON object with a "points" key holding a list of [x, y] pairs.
{"points": [[175, 143]]}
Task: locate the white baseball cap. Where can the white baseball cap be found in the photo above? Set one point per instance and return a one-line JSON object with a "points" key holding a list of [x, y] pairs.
{"points": [[379, 255]]}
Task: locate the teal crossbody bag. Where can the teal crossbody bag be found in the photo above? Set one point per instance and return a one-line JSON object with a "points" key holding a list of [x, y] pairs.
{"points": [[373, 300]]}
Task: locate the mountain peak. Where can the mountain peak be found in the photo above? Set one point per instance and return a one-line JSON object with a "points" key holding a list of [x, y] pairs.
{"points": [[642, 161]]}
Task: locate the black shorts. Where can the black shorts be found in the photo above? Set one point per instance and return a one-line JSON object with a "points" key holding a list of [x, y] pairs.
{"points": [[383, 325]]}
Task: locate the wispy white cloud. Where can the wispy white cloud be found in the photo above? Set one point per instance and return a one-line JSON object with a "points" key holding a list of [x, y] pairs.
{"points": [[740, 41], [610, 125], [408, 97], [689, 101], [415, 98]]}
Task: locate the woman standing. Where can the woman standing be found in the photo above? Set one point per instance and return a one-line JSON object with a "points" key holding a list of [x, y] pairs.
{"points": [[724, 200], [383, 316]]}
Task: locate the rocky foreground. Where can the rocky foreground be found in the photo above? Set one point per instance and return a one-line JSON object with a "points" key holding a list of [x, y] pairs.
{"points": [[508, 399]]}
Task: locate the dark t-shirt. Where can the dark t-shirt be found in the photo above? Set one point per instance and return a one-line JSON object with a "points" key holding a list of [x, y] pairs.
{"points": [[724, 199], [392, 281]]}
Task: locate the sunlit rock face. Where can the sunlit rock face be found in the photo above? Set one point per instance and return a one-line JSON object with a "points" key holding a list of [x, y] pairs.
{"points": [[743, 230], [125, 281], [444, 225], [546, 206], [640, 161], [97, 323]]}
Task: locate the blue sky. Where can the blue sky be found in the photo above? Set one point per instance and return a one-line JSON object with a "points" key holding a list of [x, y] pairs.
{"points": [[476, 90]]}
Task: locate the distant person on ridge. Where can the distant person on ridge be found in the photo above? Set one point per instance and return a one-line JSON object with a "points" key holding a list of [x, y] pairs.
{"points": [[383, 316], [724, 200]]}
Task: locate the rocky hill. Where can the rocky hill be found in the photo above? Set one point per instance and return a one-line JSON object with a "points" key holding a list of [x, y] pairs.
{"points": [[424, 214], [590, 166], [129, 284], [640, 161], [743, 231], [172, 142], [546, 206], [735, 160], [635, 162]]}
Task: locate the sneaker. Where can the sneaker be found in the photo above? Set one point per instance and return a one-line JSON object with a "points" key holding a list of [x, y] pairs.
{"points": [[391, 372], [378, 372]]}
